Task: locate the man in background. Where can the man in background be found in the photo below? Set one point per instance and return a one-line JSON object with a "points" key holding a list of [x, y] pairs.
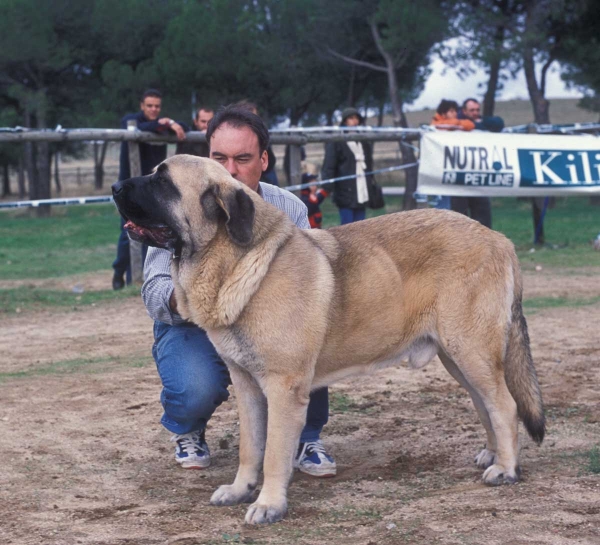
{"points": [[477, 208], [151, 154], [201, 121], [471, 109]]}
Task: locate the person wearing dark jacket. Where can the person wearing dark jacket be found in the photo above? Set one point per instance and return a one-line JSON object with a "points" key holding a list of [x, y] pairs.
{"points": [[351, 196], [201, 121], [151, 154]]}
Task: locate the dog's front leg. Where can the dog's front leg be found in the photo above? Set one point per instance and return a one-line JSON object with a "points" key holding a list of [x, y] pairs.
{"points": [[252, 409], [287, 399]]}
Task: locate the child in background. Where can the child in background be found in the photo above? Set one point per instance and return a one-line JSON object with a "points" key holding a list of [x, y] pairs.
{"points": [[312, 198], [446, 118]]}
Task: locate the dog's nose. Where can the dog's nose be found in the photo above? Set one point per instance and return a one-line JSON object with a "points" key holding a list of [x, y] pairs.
{"points": [[117, 188]]}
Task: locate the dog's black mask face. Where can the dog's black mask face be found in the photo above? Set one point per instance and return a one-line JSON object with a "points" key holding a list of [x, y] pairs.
{"points": [[144, 203]]}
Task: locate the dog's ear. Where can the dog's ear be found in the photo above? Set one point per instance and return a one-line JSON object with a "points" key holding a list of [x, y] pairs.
{"points": [[237, 209]]}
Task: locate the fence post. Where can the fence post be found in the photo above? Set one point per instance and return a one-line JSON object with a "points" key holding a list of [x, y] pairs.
{"points": [[135, 170], [295, 164]]}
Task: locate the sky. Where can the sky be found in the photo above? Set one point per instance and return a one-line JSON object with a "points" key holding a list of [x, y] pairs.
{"points": [[446, 84]]}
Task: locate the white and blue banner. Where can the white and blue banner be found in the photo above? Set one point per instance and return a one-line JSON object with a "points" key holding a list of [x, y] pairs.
{"points": [[500, 165]]}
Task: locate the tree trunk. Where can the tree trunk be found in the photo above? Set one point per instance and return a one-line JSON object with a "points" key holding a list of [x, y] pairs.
{"points": [[5, 181], [541, 107], [43, 170], [21, 174], [43, 165], [30, 164], [381, 113], [99, 156], [294, 117], [57, 171], [489, 99], [407, 151]]}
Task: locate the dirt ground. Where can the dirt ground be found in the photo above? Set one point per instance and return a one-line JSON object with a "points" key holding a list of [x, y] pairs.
{"points": [[85, 460]]}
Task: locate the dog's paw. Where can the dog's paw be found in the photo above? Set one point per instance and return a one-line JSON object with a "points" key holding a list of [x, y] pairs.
{"points": [[496, 475], [262, 513], [229, 494], [485, 458]]}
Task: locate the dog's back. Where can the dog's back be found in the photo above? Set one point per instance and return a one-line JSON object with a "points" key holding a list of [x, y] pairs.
{"points": [[412, 277]]}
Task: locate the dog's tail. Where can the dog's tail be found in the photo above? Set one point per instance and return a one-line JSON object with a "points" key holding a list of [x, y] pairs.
{"points": [[519, 371]]}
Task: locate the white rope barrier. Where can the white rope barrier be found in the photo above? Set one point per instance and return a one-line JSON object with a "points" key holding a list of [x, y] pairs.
{"points": [[108, 198], [349, 177], [44, 202]]}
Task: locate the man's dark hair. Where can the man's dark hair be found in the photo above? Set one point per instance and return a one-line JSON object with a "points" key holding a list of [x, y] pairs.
{"points": [[205, 108], [247, 105], [464, 104], [238, 117], [447, 105], [151, 93]]}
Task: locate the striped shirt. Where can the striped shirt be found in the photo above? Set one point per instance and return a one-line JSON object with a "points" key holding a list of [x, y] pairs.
{"points": [[158, 286]]}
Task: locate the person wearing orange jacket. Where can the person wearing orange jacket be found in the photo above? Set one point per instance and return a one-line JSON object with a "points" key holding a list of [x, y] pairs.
{"points": [[446, 118]]}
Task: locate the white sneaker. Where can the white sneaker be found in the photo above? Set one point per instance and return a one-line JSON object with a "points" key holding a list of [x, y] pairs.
{"points": [[191, 450], [312, 459]]}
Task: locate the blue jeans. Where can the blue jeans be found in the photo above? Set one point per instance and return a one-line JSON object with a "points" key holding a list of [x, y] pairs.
{"points": [[443, 202], [350, 215], [195, 382]]}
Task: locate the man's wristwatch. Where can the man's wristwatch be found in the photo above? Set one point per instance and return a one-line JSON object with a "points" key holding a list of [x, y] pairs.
{"points": [[171, 122]]}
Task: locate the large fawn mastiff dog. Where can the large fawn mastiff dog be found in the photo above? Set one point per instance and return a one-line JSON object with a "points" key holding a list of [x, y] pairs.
{"points": [[291, 310]]}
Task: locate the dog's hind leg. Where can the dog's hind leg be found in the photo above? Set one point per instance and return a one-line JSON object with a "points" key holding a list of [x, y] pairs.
{"points": [[288, 398], [485, 376], [487, 456], [252, 409]]}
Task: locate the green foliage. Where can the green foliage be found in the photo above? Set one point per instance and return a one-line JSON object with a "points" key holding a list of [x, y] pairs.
{"points": [[580, 55]]}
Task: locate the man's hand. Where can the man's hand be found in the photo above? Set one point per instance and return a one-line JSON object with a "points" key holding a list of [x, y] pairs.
{"points": [[178, 130], [174, 126]]}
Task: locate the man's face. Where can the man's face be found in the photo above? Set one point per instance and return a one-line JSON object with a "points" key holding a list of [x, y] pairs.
{"points": [[472, 110], [203, 119], [237, 149], [151, 107]]}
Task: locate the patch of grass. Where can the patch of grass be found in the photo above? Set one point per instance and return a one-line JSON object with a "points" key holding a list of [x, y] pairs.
{"points": [[593, 457], [350, 513], [27, 298], [79, 239], [541, 303], [73, 240], [79, 365], [569, 228], [339, 403]]}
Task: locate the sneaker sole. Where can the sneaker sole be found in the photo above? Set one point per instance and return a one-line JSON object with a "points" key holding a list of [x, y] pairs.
{"points": [[193, 465], [323, 474]]}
